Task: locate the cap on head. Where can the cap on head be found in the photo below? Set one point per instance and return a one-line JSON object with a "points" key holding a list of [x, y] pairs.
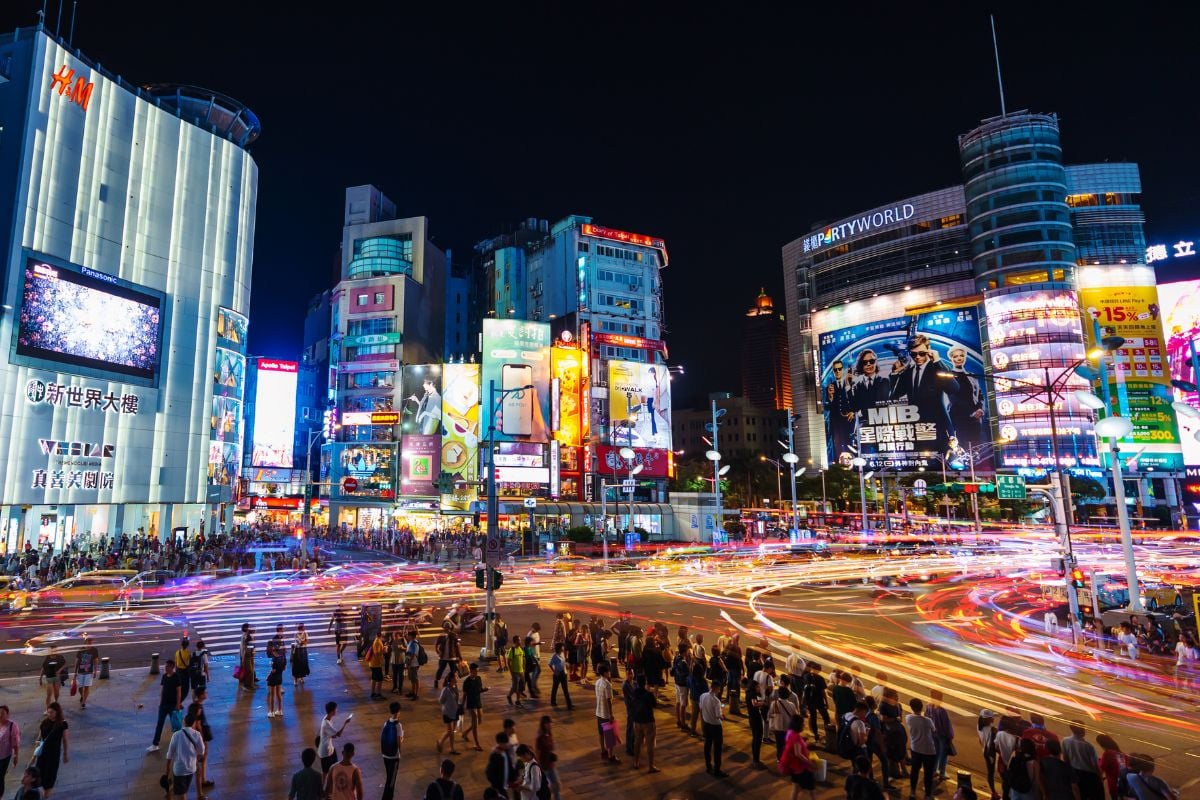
{"points": [[987, 713]]}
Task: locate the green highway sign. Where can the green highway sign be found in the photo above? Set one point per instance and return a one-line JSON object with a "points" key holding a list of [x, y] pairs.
{"points": [[1010, 487]]}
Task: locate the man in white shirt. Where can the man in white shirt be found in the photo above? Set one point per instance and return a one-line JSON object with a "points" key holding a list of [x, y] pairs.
{"points": [[714, 735], [765, 678], [604, 710], [183, 754]]}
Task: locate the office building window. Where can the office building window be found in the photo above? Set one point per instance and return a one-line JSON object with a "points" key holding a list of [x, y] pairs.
{"points": [[362, 300], [379, 297]]}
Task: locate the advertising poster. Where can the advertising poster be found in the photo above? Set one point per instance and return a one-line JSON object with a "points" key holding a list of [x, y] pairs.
{"points": [[421, 428], [566, 372], [1139, 381], [655, 463], [1180, 304], [231, 329], [226, 419], [460, 431], [1030, 332], [516, 355], [229, 373], [371, 465], [639, 405], [902, 393], [274, 413]]}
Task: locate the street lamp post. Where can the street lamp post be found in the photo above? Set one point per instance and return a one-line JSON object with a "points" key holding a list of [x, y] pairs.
{"points": [[861, 462], [492, 549], [714, 456], [778, 478], [305, 520], [791, 458]]}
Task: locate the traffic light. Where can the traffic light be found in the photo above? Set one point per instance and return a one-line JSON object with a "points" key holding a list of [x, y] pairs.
{"points": [[1077, 578], [497, 579], [444, 483], [479, 579], [987, 488]]}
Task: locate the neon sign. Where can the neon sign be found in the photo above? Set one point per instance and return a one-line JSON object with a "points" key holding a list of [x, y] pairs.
{"points": [[1158, 252], [869, 221], [77, 90], [623, 236]]}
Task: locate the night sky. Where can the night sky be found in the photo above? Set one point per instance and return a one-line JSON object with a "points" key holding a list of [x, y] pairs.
{"points": [[727, 131]]}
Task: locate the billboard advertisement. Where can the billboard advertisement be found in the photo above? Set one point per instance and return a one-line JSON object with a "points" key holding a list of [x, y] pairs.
{"points": [[1180, 304], [516, 354], [231, 329], [72, 316], [1139, 382], [655, 463], [460, 431], [639, 405], [372, 466], [274, 413], [902, 391], [225, 424], [1035, 333], [566, 371], [421, 428]]}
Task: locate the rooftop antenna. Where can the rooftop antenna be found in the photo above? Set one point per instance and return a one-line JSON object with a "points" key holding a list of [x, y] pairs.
{"points": [[58, 22], [42, 14], [999, 77]]}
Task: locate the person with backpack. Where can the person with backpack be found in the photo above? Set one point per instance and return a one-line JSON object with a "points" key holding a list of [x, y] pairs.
{"points": [[1024, 772], [679, 675], [780, 712], [413, 661], [198, 667], [943, 730], [922, 743], [987, 732], [183, 662], [854, 732], [390, 740], [716, 673], [1143, 784], [860, 785], [794, 759], [534, 784]]}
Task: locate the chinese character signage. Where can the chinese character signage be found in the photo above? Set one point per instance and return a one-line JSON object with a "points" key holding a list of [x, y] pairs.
{"points": [[421, 428], [75, 465], [903, 392], [85, 397], [1180, 303], [460, 431], [1139, 381], [516, 362]]}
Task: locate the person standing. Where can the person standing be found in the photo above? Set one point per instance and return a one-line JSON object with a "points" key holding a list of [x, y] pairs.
{"points": [[628, 689], [697, 686], [680, 674], [53, 666], [344, 779], [85, 669], [444, 787], [1058, 780], [532, 777], [448, 651], [604, 711], [988, 732], [1080, 754], [391, 739], [275, 682], [300, 668], [516, 672], [337, 624], [754, 706], [943, 730], [449, 702], [644, 729], [812, 697], [922, 738], [412, 663], [532, 658], [199, 669], [711, 718], [183, 663], [780, 712], [558, 677], [375, 657], [796, 751], [54, 744], [396, 657], [183, 756], [170, 700], [306, 782], [473, 690], [246, 658], [10, 744], [325, 749]]}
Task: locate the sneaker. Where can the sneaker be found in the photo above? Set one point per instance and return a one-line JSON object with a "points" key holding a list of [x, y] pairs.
{"points": [[720, 774], [152, 748]]}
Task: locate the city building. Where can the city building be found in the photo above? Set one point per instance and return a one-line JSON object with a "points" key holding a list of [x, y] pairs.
{"points": [[1014, 274], [766, 369], [312, 386], [387, 310], [138, 205], [272, 464], [748, 430]]}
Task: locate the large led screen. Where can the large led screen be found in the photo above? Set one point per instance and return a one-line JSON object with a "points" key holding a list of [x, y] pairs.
{"points": [[903, 392], [1180, 304], [639, 405], [421, 428], [78, 317], [516, 364], [460, 431], [274, 413]]}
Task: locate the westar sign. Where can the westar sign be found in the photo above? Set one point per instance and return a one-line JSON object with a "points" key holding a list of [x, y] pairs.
{"points": [[857, 225]]}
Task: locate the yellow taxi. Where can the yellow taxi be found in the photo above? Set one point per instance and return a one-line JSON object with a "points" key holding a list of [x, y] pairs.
{"points": [[98, 587]]}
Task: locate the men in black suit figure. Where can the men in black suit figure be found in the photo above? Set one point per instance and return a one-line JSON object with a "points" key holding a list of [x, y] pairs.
{"points": [[966, 401], [840, 411], [921, 384]]}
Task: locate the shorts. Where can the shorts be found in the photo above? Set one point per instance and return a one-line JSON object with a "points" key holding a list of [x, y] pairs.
{"points": [[681, 696], [84, 679], [180, 784], [337, 638], [804, 779], [377, 674], [449, 720], [412, 674], [51, 681]]}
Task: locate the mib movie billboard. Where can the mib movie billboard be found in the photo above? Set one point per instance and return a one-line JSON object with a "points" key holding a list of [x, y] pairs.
{"points": [[903, 392]]}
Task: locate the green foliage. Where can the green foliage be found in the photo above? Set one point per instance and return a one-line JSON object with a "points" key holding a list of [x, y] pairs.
{"points": [[582, 534]]}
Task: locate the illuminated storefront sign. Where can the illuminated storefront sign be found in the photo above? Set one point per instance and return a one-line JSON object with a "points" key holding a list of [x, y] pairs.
{"points": [[1032, 331], [76, 89], [85, 397], [872, 220], [74, 465], [635, 342], [654, 463], [371, 339], [624, 237], [1124, 302], [369, 366], [370, 418], [566, 365], [1159, 252], [901, 391]]}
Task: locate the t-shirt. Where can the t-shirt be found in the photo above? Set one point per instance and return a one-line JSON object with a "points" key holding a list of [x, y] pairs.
{"points": [[1057, 778], [921, 734], [1080, 754], [472, 687], [170, 690], [306, 785], [443, 789], [52, 664], [325, 746], [184, 751], [86, 661], [604, 698]]}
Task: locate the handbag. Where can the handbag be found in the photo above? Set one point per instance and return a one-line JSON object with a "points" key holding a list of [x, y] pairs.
{"points": [[611, 737], [176, 720], [237, 672], [74, 687]]}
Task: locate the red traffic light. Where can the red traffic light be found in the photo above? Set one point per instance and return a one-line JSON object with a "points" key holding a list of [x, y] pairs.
{"points": [[970, 488]]}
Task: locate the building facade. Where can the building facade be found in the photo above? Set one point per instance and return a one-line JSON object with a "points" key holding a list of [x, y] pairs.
{"points": [[127, 261], [766, 370]]}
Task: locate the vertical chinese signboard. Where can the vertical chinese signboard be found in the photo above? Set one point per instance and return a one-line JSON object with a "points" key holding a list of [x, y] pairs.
{"points": [[567, 396]]}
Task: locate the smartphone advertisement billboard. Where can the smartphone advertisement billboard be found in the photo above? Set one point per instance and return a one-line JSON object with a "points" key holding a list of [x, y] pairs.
{"points": [[1035, 334], [460, 431], [274, 413], [516, 362], [639, 405], [903, 392], [421, 429], [1180, 304], [1124, 302]]}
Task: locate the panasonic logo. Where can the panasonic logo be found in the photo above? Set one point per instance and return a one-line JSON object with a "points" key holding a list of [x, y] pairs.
{"points": [[53, 447]]}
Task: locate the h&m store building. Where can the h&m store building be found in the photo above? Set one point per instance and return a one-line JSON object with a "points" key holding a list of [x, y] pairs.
{"points": [[127, 235]]}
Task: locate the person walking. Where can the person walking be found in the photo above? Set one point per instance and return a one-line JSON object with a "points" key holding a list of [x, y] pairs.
{"points": [[170, 701], [449, 702], [943, 731], [922, 742], [53, 744], [795, 749], [196, 709], [325, 749], [183, 663], [645, 731], [472, 690], [300, 668], [516, 672], [275, 683], [1058, 781], [10, 744], [54, 666], [711, 719], [306, 782], [444, 787], [1080, 754], [86, 660], [543, 748], [533, 779], [391, 739], [375, 657], [448, 651], [337, 624], [559, 677], [199, 669], [498, 771], [604, 712], [779, 718], [344, 779], [183, 757], [533, 667]]}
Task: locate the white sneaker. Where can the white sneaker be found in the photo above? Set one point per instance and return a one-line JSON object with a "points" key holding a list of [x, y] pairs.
{"points": [[152, 748], [340, 661]]}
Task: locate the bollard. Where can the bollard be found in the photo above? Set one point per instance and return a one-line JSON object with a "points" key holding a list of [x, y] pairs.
{"points": [[104, 668], [154, 663]]}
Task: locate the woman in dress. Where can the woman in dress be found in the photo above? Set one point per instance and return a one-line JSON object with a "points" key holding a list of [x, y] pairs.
{"points": [[246, 657], [300, 668], [54, 744], [449, 702], [275, 684]]}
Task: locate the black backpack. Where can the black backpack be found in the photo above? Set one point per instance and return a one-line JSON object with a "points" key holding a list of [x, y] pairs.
{"points": [[196, 667], [422, 657], [1018, 774], [846, 748], [497, 765]]}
